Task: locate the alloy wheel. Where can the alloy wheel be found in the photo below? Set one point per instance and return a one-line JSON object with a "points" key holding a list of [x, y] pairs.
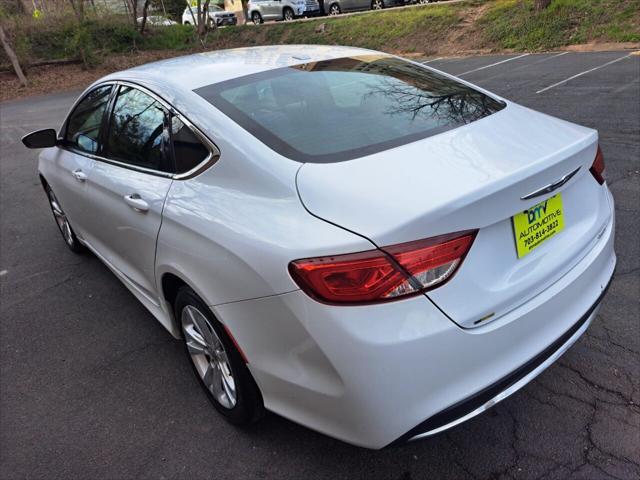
{"points": [[334, 10], [209, 356], [377, 5], [288, 15], [61, 219]]}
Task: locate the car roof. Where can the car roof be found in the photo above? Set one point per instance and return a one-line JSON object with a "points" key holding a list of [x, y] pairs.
{"points": [[175, 79], [201, 69]]}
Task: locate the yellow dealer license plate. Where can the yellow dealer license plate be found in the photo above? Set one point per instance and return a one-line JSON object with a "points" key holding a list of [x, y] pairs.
{"points": [[537, 224]]}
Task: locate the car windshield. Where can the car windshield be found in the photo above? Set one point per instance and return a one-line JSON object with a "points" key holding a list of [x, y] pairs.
{"points": [[341, 109]]}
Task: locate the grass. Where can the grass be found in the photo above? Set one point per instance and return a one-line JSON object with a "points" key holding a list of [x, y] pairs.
{"points": [[490, 25], [513, 24]]}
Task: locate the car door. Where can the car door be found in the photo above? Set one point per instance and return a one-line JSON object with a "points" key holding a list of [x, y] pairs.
{"points": [[128, 186], [73, 162], [272, 9]]}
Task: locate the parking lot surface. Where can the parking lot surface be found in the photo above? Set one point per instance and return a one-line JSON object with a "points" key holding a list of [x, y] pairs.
{"points": [[91, 386]]}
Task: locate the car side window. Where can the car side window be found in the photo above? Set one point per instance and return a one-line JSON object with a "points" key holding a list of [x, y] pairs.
{"points": [[137, 132], [83, 126], [188, 150]]}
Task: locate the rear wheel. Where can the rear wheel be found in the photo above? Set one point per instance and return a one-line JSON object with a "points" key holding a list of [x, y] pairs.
{"points": [[288, 15], [217, 363], [256, 18], [334, 9], [62, 221], [377, 5]]}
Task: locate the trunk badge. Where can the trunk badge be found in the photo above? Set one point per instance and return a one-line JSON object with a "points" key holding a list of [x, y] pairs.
{"points": [[551, 187]]}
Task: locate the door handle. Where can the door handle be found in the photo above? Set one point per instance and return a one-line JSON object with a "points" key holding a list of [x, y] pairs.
{"points": [[136, 202], [79, 175]]}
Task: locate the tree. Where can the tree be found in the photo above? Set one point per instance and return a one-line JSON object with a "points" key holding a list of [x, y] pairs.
{"points": [[541, 4], [145, 9], [203, 17], [12, 56], [133, 5], [78, 9]]}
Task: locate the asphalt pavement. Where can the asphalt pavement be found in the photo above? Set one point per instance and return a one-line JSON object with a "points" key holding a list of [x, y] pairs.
{"points": [[91, 386]]}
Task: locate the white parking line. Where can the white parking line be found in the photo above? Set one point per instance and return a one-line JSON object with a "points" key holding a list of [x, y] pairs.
{"points": [[432, 60], [552, 56], [582, 73], [493, 64]]}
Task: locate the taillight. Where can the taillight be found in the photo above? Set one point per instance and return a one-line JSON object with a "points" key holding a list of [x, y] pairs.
{"points": [[597, 169], [383, 275]]}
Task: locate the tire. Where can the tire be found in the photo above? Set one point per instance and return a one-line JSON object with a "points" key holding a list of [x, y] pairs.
{"points": [[256, 18], [63, 223], [217, 363], [187, 23], [288, 15], [377, 4], [334, 9]]}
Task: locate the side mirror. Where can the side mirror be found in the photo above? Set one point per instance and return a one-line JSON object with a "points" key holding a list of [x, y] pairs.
{"points": [[41, 139]]}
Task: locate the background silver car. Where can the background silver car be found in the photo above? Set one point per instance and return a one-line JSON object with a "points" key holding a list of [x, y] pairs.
{"points": [[335, 7], [261, 10]]}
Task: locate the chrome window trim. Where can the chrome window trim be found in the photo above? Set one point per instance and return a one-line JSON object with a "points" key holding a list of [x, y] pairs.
{"points": [[209, 160]]}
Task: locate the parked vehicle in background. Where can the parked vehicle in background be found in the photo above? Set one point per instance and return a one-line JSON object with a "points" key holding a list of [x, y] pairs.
{"points": [[157, 21], [380, 4], [336, 7], [261, 10], [217, 16]]}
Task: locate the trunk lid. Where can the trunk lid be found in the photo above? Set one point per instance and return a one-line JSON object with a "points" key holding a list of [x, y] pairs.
{"points": [[472, 177]]}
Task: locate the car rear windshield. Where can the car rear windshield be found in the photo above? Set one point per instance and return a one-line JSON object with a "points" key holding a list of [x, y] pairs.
{"points": [[345, 108]]}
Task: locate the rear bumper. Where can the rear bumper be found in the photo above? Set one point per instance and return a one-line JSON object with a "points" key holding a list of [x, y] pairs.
{"points": [[373, 375], [507, 386], [311, 13]]}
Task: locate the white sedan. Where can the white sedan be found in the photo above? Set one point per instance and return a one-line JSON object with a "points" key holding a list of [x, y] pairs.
{"points": [[360, 243]]}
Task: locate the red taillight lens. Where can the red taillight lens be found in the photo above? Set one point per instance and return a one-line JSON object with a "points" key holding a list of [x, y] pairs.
{"points": [[374, 276], [433, 260], [597, 169]]}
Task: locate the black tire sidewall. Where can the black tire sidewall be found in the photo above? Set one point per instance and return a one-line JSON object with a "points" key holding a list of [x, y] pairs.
{"points": [[249, 407]]}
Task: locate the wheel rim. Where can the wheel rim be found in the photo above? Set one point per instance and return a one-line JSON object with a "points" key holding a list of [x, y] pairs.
{"points": [[377, 5], [209, 356], [61, 219], [288, 15], [256, 18], [334, 10]]}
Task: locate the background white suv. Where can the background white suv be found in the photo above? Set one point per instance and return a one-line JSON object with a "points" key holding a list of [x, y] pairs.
{"points": [[217, 16]]}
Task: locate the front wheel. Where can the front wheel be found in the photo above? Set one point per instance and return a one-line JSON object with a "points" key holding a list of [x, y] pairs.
{"points": [[288, 15], [377, 5], [217, 363], [256, 18], [334, 9], [64, 226]]}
